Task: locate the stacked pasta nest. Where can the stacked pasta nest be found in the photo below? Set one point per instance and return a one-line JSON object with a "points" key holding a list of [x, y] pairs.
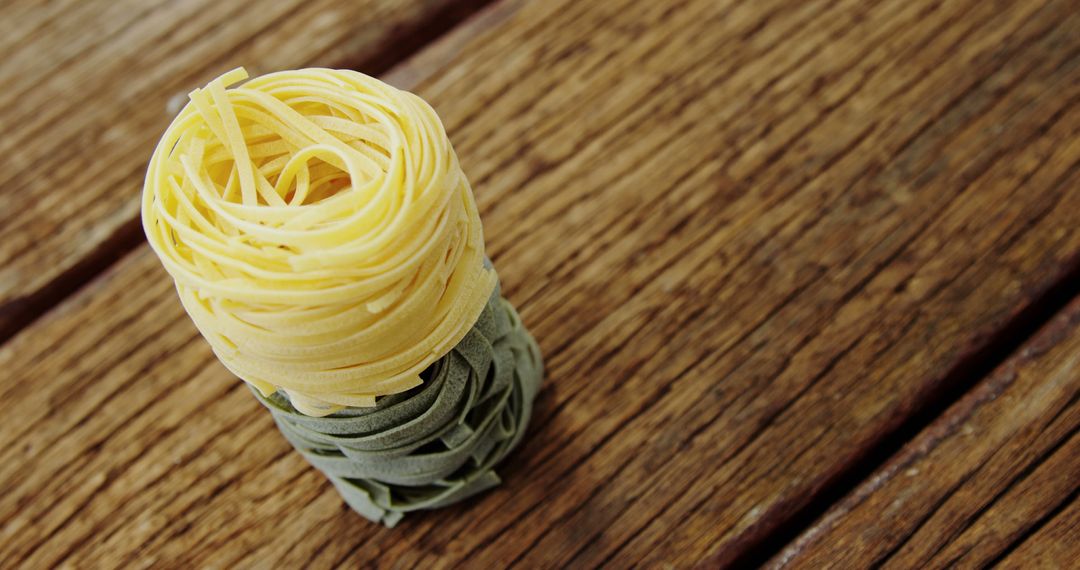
{"points": [[327, 245]]}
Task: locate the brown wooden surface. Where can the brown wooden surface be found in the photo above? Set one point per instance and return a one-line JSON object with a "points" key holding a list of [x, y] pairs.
{"points": [[1053, 546], [752, 238], [86, 87], [999, 469]]}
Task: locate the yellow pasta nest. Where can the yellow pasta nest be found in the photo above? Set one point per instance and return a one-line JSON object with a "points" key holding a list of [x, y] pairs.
{"points": [[320, 231]]}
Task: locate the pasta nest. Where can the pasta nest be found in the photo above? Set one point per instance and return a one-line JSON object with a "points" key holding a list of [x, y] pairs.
{"points": [[320, 231]]}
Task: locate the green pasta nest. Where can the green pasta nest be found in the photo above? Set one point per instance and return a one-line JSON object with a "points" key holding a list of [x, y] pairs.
{"points": [[438, 443]]}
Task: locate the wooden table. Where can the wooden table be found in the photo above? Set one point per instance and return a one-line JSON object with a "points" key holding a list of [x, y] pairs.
{"points": [[804, 272]]}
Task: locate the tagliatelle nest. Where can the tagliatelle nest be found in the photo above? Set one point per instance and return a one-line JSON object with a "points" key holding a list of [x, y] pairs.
{"points": [[320, 231]]}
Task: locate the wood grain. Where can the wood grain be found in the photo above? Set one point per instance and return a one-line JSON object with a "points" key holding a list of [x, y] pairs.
{"points": [[976, 484], [751, 237], [86, 91], [1053, 545]]}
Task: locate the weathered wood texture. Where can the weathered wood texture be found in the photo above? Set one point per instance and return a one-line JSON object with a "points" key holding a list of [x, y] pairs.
{"points": [[751, 237], [86, 86], [1052, 546], [975, 485]]}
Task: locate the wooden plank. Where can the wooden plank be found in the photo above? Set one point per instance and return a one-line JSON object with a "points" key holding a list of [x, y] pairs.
{"points": [[86, 87], [977, 482], [1052, 546], [751, 237]]}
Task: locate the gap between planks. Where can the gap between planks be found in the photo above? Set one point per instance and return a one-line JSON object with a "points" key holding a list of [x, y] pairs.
{"points": [[979, 362]]}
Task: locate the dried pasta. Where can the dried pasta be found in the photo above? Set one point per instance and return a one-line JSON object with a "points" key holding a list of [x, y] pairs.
{"points": [[320, 232]]}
